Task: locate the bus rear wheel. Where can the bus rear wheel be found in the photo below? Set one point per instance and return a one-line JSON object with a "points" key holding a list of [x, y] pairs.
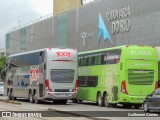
{"points": [[36, 101], [99, 100], [105, 99], [145, 107], [31, 99], [12, 96]]}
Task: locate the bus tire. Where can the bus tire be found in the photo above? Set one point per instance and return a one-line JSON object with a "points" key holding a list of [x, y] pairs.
{"points": [[9, 95], [99, 100], [145, 107], [12, 96], [105, 100], [31, 99], [36, 101]]}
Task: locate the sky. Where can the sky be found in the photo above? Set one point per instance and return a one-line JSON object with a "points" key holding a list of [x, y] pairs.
{"points": [[18, 12]]}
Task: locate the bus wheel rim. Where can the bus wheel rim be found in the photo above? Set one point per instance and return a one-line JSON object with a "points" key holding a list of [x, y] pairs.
{"points": [[106, 101], [145, 107], [99, 99], [31, 98]]}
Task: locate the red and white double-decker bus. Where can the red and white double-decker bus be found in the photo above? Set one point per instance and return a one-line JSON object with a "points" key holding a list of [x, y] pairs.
{"points": [[45, 74]]}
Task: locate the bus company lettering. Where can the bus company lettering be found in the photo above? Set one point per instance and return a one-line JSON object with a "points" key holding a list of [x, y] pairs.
{"points": [[63, 54], [136, 52], [34, 74], [112, 57], [120, 20]]}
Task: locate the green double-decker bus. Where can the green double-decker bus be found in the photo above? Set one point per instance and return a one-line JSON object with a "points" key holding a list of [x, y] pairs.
{"points": [[123, 75]]}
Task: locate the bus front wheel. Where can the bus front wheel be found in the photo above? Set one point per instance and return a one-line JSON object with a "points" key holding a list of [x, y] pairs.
{"points": [[99, 100]]}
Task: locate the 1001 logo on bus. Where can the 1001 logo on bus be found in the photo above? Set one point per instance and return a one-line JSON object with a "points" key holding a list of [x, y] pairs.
{"points": [[34, 74], [63, 54]]}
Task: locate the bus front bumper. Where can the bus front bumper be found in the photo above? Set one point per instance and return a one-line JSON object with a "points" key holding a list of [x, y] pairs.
{"points": [[61, 95], [131, 99]]}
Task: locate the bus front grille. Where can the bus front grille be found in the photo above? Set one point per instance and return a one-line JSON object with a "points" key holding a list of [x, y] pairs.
{"points": [[136, 77], [62, 75]]}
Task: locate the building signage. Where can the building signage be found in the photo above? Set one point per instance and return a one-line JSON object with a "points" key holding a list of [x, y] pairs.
{"points": [[85, 35], [120, 20]]}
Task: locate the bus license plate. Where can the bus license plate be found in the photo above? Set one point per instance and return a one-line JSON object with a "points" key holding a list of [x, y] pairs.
{"points": [[62, 95]]}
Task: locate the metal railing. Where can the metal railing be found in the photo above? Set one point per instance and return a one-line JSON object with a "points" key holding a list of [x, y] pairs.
{"points": [[31, 22]]}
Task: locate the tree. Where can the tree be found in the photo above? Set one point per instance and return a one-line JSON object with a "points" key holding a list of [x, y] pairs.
{"points": [[2, 66]]}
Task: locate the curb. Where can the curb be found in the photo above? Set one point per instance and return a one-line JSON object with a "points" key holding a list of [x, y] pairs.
{"points": [[10, 101], [76, 114]]}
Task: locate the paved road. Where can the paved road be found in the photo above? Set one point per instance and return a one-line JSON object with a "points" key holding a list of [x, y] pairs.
{"points": [[85, 106]]}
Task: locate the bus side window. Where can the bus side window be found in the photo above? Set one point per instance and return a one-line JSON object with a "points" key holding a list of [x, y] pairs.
{"points": [[90, 61], [44, 66], [79, 62], [92, 81], [103, 59], [83, 61], [87, 61], [41, 58], [82, 81], [97, 60]]}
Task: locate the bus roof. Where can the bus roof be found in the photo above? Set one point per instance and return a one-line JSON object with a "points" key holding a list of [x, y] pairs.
{"points": [[27, 52], [44, 49], [112, 48]]}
